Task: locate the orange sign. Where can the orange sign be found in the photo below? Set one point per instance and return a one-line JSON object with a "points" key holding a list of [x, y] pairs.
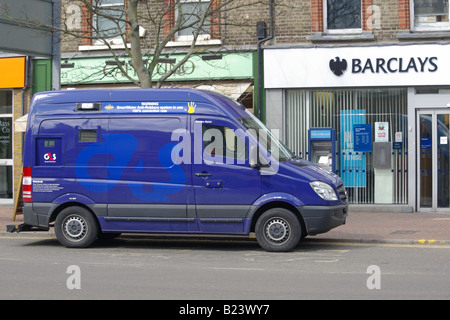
{"points": [[12, 72]]}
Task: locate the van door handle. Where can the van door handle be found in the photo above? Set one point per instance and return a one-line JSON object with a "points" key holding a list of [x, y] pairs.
{"points": [[203, 174]]}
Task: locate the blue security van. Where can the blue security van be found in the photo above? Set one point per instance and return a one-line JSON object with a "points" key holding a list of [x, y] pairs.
{"points": [[98, 163]]}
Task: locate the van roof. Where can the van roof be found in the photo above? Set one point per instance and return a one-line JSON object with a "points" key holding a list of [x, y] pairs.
{"points": [[216, 102]]}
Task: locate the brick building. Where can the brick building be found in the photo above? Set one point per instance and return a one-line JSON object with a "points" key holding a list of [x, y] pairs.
{"points": [[223, 58]]}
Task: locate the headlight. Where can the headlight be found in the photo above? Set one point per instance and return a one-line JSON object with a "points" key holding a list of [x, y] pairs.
{"points": [[324, 190]]}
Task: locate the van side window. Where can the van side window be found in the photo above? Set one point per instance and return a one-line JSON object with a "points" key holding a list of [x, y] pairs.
{"points": [[87, 135], [221, 141]]}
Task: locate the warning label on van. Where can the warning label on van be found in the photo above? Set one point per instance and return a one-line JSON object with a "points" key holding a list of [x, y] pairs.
{"points": [[44, 186], [148, 107]]}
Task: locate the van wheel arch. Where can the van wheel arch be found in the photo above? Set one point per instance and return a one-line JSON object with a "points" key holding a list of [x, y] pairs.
{"points": [[65, 205], [278, 204]]}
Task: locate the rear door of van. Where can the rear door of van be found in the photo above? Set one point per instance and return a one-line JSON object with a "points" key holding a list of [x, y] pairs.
{"points": [[70, 158]]}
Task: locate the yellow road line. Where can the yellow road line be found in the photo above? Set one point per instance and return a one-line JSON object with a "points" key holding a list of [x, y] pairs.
{"points": [[436, 245]]}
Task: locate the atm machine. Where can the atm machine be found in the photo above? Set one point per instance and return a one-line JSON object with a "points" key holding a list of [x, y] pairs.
{"points": [[322, 147]]}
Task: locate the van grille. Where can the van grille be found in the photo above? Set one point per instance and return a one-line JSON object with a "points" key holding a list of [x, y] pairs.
{"points": [[342, 193]]}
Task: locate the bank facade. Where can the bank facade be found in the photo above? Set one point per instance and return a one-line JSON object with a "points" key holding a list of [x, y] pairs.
{"points": [[376, 74], [389, 106]]}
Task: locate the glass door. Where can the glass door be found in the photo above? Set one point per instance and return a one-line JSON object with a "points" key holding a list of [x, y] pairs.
{"points": [[433, 163], [6, 147]]}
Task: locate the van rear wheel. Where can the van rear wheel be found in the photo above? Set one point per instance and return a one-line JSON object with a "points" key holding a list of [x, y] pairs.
{"points": [[278, 230], [76, 227]]}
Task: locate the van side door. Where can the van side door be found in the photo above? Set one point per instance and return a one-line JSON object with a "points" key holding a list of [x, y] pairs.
{"points": [[146, 183], [225, 185]]}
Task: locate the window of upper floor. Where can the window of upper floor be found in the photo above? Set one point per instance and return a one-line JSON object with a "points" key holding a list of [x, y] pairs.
{"points": [[194, 17], [430, 15], [105, 21], [109, 21], [200, 16], [342, 16]]}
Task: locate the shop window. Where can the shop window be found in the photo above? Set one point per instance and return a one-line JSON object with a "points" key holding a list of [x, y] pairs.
{"points": [[6, 191], [431, 14], [383, 115], [428, 90], [6, 146], [6, 143], [343, 16], [6, 102]]}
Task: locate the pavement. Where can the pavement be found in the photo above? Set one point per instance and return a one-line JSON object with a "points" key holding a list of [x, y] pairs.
{"points": [[362, 227]]}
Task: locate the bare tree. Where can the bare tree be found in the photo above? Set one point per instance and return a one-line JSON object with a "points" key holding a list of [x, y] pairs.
{"points": [[100, 21], [163, 21]]}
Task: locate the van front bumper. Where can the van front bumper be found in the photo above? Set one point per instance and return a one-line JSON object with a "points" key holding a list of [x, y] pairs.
{"points": [[321, 219]]}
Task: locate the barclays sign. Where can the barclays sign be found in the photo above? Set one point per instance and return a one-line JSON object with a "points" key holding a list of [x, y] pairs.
{"points": [[382, 65], [365, 66]]}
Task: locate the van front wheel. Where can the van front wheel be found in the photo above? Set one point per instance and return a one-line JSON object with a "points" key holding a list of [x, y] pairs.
{"points": [[278, 230], [75, 227]]}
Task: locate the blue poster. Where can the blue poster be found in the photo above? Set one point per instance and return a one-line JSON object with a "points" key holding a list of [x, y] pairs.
{"points": [[353, 162], [362, 137]]}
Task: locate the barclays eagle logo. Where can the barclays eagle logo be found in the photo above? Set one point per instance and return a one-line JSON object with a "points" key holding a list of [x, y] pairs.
{"points": [[338, 66]]}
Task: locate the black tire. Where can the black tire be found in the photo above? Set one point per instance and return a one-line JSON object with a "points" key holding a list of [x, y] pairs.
{"points": [[278, 230], [76, 227]]}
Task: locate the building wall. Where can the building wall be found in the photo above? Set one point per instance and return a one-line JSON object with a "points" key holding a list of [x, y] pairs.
{"points": [[302, 22], [234, 26], [296, 22]]}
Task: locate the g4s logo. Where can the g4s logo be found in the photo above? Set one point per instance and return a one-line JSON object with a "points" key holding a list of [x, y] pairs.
{"points": [[50, 157]]}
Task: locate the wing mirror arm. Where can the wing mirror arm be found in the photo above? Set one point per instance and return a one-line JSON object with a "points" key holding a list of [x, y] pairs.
{"points": [[254, 159]]}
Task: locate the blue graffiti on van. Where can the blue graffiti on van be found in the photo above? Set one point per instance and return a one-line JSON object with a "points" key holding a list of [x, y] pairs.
{"points": [[120, 150], [161, 190]]}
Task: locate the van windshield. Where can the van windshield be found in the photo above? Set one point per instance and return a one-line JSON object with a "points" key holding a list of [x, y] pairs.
{"points": [[266, 137]]}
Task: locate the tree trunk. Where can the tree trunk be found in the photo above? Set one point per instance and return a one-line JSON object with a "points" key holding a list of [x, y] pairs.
{"points": [[137, 60]]}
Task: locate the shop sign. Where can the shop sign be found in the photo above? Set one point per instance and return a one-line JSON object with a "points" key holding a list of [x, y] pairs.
{"points": [[399, 65], [12, 72], [95, 70], [381, 65]]}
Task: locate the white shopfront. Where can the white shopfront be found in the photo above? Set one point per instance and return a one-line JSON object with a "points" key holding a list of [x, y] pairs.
{"points": [[398, 96]]}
